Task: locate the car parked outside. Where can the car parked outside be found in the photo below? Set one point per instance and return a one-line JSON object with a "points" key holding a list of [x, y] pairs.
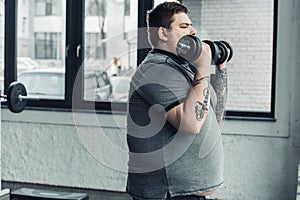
{"points": [[97, 85], [49, 83], [23, 64], [27, 63], [120, 88]]}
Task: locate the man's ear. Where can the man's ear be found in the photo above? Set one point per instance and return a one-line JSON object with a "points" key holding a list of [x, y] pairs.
{"points": [[162, 34]]}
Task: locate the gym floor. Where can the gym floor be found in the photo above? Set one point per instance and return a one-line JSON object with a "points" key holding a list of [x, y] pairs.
{"points": [[93, 194]]}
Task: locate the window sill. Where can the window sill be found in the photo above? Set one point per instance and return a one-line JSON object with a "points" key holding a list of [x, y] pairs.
{"points": [[66, 117], [232, 125], [264, 128]]}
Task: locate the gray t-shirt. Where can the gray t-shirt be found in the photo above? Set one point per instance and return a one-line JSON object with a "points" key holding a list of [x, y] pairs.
{"points": [[163, 160]]}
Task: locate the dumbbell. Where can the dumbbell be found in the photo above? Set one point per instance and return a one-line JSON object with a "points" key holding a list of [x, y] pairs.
{"points": [[189, 47], [229, 47], [16, 97], [219, 51]]}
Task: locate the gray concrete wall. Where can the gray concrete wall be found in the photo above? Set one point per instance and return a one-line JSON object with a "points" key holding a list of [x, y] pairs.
{"points": [[261, 158]]}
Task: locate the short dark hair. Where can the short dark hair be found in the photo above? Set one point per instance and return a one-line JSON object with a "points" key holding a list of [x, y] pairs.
{"points": [[162, 16]]}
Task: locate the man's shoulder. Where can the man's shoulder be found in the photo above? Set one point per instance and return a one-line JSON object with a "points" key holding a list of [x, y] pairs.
{"points": [[156, 62], [158, 58], [155, 57]]}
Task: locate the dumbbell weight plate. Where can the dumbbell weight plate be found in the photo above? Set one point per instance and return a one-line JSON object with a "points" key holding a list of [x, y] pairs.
{"points": [[189, 47], [14, 91], [230, 48], [213, 48], [223, 52], [198, 48]]}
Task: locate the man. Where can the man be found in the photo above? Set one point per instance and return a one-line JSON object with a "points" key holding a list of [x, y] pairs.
{"points": [[174, 115]]}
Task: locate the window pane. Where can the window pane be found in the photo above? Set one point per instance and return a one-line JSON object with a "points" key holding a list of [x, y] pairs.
{"points": [[44, 83], [46, 45], [40, 48], [48, 7], [110, 48], [248, 26]]}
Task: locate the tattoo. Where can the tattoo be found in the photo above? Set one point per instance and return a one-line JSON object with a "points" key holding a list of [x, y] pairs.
{"points": [[198, 81], [219, 83], [202, 108], [223, 74]]}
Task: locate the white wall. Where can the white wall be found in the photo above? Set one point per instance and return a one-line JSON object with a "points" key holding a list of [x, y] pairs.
{"points": [[48, 148], [247, 26]]}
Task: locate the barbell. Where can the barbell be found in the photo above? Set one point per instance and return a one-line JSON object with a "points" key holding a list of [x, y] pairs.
{"points": [[17, 97], [189, 47]]}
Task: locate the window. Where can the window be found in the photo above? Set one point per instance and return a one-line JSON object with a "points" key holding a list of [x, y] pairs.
{"points": [[110, 44], [47, 7], [91, 48], [24, 25], [127, 8], [40, 53], [47, 45], [106, 44], [249, 28], [44, 83], [96, 7]]}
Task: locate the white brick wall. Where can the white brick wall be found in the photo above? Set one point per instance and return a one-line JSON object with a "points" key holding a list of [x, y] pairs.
{"points": [[248, 26]]}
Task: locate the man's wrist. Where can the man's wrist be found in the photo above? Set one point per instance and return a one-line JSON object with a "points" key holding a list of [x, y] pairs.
{"points": [[222, 72], [197, 81], [221, 66]]}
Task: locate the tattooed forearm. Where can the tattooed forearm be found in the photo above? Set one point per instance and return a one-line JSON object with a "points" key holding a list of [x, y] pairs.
{"points": [[202, 107], [219, 83], [223, 74]]}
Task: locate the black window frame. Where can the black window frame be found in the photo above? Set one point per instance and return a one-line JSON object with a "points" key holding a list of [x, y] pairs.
{"points": [[256, 115], [75, 38]]}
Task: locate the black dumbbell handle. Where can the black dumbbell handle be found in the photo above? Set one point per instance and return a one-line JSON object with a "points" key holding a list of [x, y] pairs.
{"points": [[183, 46]]}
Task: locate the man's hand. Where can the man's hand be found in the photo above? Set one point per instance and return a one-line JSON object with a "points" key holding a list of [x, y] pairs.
{"points": [[203, 62], [223, 65]]}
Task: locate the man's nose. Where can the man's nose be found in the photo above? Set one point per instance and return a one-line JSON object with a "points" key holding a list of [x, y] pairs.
{"points": [[193, 31]]}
